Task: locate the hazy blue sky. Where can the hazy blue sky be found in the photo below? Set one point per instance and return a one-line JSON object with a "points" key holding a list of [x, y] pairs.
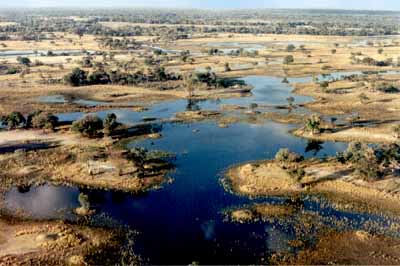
{"points": [[210, 4]]}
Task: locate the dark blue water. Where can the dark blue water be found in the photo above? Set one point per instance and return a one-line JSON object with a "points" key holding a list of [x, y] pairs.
{"points": [[183, 222], [266, 91]]}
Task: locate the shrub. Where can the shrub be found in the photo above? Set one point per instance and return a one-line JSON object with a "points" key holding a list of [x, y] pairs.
{"points": [[13, 120], [364, 160], [363, 98], [24, 60], [42, 120], [290, 100], [12, 70], [324, 85], [290, 48], [297, 173], [396, 131], [387, 88], [313, 124], [89, 126], [99, 77], [77, 77], [285, 157], [227, 67], [288, 59], [110, 124]]}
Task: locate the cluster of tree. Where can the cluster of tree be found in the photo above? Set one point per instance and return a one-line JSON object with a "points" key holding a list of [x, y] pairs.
{"points": [[183, 23], [210, 79], [79, 77], [38, 119], [373, 62], [92, 126], [119, 44], [386, 87], [371, 163], [233, 52]]}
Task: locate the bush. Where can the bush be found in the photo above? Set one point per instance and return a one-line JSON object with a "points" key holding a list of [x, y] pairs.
{"points": [[77, 77], [99, 77], [364, 160], [284, 157], [290, 48], [24, 60], [396, 131], [288, 59], [13, 120], [110, 124], [313, 124], [90, 126], [42, 120], [297, 173], [387, 88], [12, 70]]}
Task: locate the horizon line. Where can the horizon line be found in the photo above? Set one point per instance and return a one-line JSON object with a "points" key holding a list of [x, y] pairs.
{"points": [[197, 8]]}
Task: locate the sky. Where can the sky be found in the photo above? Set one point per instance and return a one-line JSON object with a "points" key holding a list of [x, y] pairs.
{"points": [[212, 4]]}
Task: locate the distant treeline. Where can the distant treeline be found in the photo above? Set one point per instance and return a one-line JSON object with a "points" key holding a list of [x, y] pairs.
{"points": [[183, 23]]}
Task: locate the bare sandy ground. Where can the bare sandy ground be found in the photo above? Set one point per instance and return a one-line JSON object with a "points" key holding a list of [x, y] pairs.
{"points": [[364, 134], [47, 243], [8, 138], [334, 180]]}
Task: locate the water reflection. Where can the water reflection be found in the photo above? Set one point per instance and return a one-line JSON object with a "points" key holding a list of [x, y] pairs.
{"points": [[314, 146], [182, 222]]}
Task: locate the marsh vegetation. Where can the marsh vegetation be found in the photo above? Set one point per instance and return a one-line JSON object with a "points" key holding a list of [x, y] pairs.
{"points": [[222, 137]]}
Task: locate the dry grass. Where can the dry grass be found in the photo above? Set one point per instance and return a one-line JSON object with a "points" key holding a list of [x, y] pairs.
{"points": [[332, 179], [76, 161], [347, 248], [52, 243]]}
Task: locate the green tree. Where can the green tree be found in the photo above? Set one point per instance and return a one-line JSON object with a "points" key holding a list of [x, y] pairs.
{"points": [[23, 60], [290, 48], [288, 59], [227, 67], [110, 124], [42, 120], [313, 124], [290, 100], [77, 77], [13, 120], [89, 126]]}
